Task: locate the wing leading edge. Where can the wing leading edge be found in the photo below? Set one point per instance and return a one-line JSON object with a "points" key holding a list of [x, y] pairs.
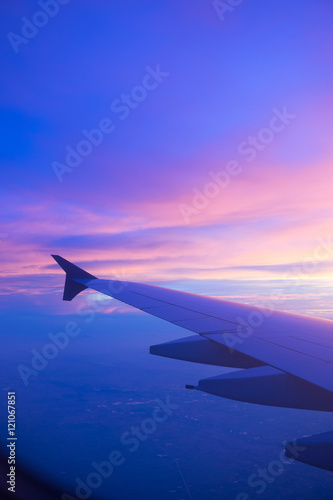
{"points": [[285, 359]]}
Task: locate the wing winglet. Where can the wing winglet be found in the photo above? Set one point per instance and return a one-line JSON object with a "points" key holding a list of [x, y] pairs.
{"points": [[72, 287]]}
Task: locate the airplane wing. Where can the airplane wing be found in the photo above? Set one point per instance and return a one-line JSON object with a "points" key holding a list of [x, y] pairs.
{"points": [[285, 359]]}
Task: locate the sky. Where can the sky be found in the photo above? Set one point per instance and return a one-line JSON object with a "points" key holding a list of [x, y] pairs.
{"points": [[185, 144], [206, 152]]}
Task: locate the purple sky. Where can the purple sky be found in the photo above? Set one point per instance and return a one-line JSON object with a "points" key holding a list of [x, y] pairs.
{"points": [[215, 158]]}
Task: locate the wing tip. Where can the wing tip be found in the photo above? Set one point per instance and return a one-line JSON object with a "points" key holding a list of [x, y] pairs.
{"points": [[73, 273]]}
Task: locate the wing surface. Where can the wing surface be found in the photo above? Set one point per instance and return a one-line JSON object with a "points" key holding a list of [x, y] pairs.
{"points": [[288, 358]]}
